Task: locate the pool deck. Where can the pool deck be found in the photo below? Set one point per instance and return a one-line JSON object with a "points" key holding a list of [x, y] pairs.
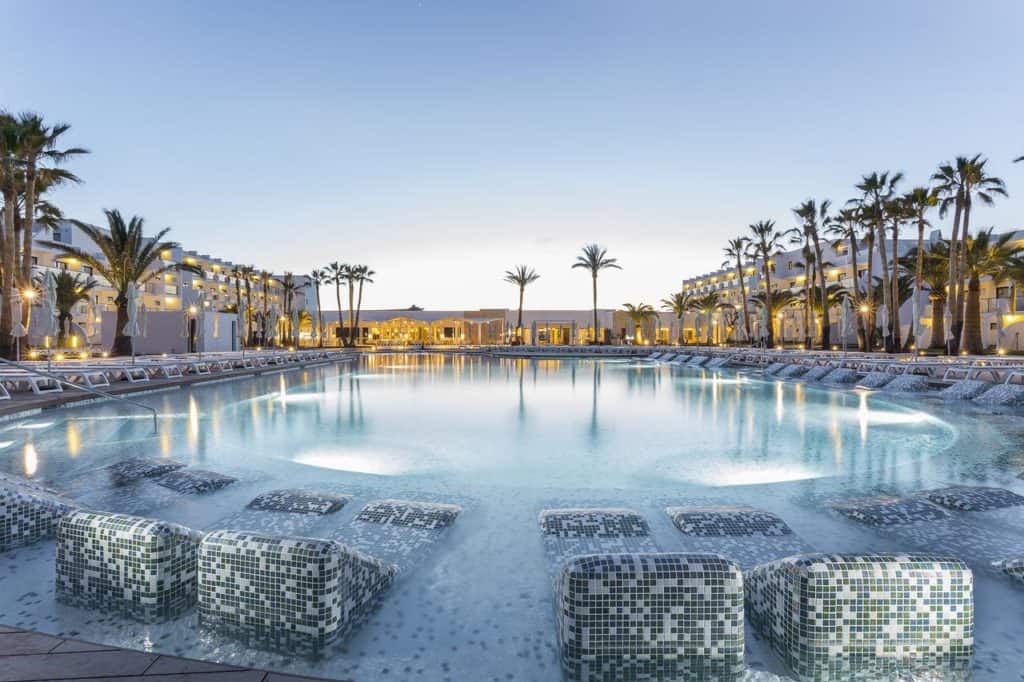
{"points": [[26, 403], [32, 656]]}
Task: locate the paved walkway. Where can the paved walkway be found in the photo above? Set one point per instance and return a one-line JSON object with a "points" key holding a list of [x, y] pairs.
{"points": [[27, 656]]}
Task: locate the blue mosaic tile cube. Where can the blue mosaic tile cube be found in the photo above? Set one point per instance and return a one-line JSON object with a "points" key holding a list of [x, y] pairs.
{"points": [[727, 520], [973, 498], [289, 594], [1014, 568], [650, 616], [593, 523], [141, 568], [29, 512], [833, 616]]}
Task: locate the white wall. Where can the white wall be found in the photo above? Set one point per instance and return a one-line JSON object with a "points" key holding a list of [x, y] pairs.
{"points": [[164, 332]]}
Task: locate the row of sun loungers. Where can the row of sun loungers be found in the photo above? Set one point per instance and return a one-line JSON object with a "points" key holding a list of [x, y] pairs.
{"points": [[103, 372]]}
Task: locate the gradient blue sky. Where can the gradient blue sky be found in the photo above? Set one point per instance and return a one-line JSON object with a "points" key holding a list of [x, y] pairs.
{"points": [[443, 142]]}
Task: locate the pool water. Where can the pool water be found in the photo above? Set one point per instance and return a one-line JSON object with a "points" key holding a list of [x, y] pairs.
{"points": [[506, 439]]}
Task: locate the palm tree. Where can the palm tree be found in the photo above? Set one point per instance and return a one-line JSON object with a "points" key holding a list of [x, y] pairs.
{"points": [[70, 290], [813, 219], [735, 251], [318, 276], [364, 275], [289, 287], [679, 304], [876, 190], [595, 259], [641, 314], [1018, 159], [984, 255], [126, 257], [934, 268], [847, 225], [707, 304], [248, 272], [10, 168], [521, 276], [336, 275], [774, 305], [39, 145], [917, 203], [765, 243]]}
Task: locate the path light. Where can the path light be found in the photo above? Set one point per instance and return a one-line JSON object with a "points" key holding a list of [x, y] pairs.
{"points": [[28, 294]]}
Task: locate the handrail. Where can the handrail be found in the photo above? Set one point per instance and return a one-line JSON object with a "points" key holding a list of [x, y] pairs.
{"points": [[87, 389]]}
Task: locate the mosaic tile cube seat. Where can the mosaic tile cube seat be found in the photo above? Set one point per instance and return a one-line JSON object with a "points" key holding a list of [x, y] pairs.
{"points": [[141, 568], [1014, 568], [593, 523], [136, 468], [650, 616], [299, 502], [831, 616], [886, 510], [29, 512], [194, 481], [429, 515], [289, 594], [727, 520], [973, 498]]}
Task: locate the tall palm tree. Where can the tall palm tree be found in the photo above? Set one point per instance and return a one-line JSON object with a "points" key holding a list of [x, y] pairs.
{"points": [[774, 304], [336, 275], [126, 256], [934, 269], [248, 272], [679, 304], [10, 170], [364, 275], [641, 315], [813, 218], [595, 259], [735, 251], [39, 146], [765, 242], [318, 276], [986, 255], [521, 276], [898, 212], [876, 190], [706, 305], [70, 290], [846, 225], [917, 202], [289, 287]]}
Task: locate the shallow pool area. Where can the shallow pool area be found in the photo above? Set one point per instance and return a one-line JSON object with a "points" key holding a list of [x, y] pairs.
{"points": [[505, 440]]}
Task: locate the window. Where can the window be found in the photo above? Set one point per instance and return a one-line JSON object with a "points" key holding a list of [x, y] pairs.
{"points": [[35, 260], [87, 269], [61, 265], [110, 299], [1002, 292]]}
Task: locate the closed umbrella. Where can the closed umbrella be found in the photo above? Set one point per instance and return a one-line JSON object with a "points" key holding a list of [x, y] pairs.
{"points": [[242, 331], [50, 327], [947, 323], [295, 323], [762, 324], [131, 328], [200, 325], [883, 320], [915, 313], [143, 320], [19, 330], [845, 315], [1000, 324], [90, 322]]}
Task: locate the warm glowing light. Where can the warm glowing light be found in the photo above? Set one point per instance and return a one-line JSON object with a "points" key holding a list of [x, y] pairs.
{"points": [[863, 308], [192, 309], [1001, 351], [34, 354], [59, 357], [105, 354], [29, 294], [30, 459]]}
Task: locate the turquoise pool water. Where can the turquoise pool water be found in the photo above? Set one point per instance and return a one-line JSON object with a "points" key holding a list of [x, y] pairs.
{"points": [[506, 439]]}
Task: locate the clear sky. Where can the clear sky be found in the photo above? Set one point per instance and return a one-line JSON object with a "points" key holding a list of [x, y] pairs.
{"points": [[443, 142]]}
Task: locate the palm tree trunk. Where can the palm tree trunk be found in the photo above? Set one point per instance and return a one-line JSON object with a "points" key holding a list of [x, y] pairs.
{"points": [[938, 322], [351, 315], [770, 343], [30, 213], [895, 296], [519, 317], [954, 272], [597, 335], [337, 294], [8, 260], [359, 303], [743, 295], [886, 286], [122, 344], [918, 274], [959, 314], [856, 293], [826, 318], [972, 342], [319, 318], [869, 295]]}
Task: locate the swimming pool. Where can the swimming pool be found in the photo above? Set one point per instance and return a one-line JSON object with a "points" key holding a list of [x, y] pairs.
{"points": [[506, 439]]}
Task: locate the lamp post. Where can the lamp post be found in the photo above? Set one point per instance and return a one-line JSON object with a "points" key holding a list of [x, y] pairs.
{"points": [[864, 310]]}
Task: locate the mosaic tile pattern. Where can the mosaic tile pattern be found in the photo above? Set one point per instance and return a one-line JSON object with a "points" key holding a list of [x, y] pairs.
{"points": [[131, 470], [775, 368], [29, 512], [965, 389], [593, 523], [650, 616], [973, 498], [817, 373], [430, 515], [727, 520], [1002, 395], [141, 568], [889, 511], [840, 375], [832, 616], [289, 594], [875, 380], [697, 360], [299, 502], [793, 371], [194, 481], [1014, 568], [908, 383]]}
